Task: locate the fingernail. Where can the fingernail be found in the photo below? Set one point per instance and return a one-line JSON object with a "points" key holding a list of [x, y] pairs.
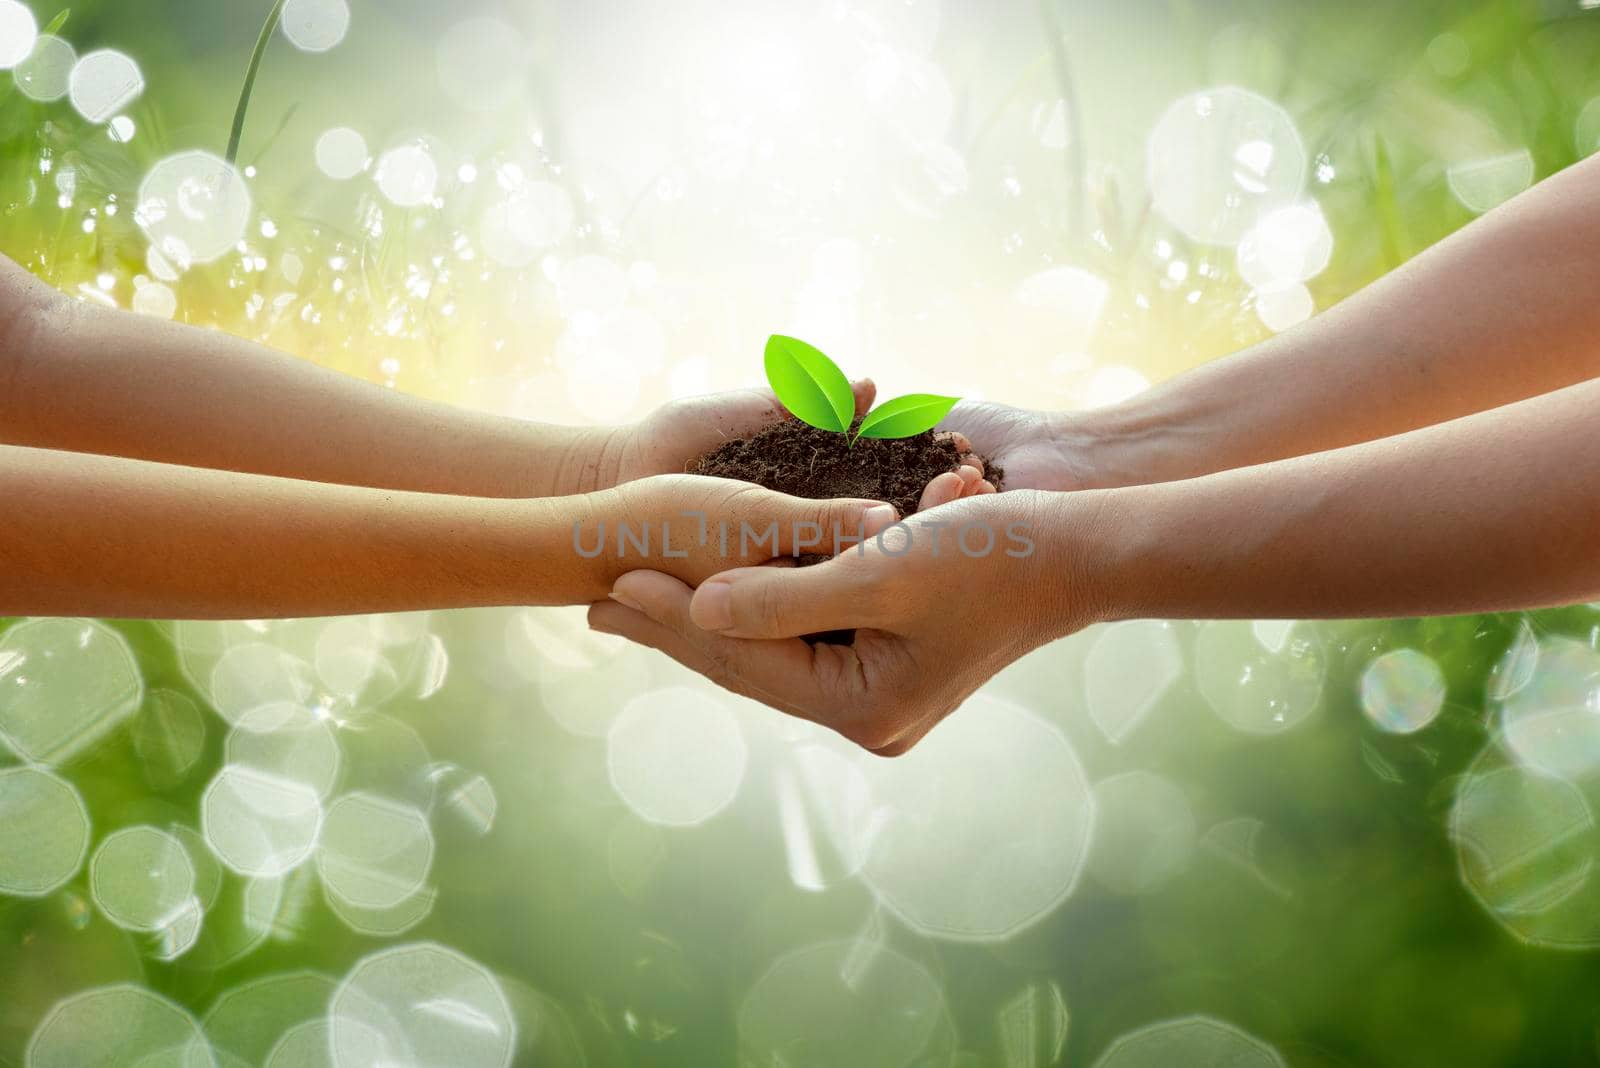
{"points": [[713, 606], [878, 518], [625, 601], [969, 473]]}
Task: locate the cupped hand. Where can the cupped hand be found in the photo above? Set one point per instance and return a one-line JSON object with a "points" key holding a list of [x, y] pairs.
{"points": [[1036, 450], [681, 431], [675, 435], [940, 603], [693, 526]]}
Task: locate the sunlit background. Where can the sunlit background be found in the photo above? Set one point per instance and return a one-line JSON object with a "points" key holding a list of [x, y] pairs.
{"points": [[485, 838]]}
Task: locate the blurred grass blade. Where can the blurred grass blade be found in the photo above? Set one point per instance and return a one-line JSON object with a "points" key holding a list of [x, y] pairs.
{"points": [[267, 29], [56, 23], [1389, 225]]}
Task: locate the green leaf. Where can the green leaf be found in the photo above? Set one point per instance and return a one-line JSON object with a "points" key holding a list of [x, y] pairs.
{"points": [[56, 23], [809, 384], [906, 416]]}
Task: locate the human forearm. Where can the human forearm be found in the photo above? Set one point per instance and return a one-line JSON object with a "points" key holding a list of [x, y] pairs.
{"points": [[1489, 316], [93, 535], [1492, 512], [73, 376]]}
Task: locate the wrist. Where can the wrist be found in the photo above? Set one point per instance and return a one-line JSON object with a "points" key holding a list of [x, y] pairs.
{"points": [[1081, 576], [556, 549], [1135, 443], [591, 459]]}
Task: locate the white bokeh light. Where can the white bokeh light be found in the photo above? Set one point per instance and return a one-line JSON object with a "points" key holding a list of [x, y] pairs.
{"points": [[156, 300], [1218, 158], [1526, 843], [841, 1005], [986, 823], [288, 741], [1144, 832], [194, 207], [1482, 184], [1402, 691], [118, 1024], [676, 756], [1129, 668], [408, 175], [374, 853], [1283, 304], [342, 153], [315, 25], [103, 83], [64, 685], [1189, 1040], [141, 878], [1290, 244], [422, 1004], [244, 1023], [252, 674], [19, 31], [1253, 688], [47, 72], [44, 831], [1551, 722], [258, 824]]}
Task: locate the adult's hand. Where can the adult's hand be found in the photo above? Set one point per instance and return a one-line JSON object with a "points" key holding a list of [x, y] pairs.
{"points": [[940, 603]]}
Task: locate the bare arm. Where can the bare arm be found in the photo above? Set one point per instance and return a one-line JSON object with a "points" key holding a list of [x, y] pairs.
{"points": [[1495, 511], [88, 379], [1497, 312], [74, 376], [107, 536]]}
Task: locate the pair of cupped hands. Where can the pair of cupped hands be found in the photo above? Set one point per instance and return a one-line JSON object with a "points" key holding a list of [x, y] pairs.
{"points": [[933, 617]]}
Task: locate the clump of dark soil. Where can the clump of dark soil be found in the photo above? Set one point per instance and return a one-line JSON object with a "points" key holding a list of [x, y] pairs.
{"points": [[798, 459]]}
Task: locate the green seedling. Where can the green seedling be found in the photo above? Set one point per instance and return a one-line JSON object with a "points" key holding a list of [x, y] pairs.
{"points": [[813, 388]]}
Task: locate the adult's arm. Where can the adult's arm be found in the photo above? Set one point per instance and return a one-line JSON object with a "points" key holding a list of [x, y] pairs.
{"points": [[1493, 511], [1497, 312]]}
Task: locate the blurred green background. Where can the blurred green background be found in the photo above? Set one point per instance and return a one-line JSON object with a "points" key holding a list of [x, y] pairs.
{"points": [[1345, 844]]}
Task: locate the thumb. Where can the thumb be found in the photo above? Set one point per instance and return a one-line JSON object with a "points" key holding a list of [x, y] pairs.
{"points": [[865, 391], [778, 602]]}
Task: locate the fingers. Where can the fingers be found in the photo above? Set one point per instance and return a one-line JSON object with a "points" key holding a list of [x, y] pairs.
{"points": [[866, 391], [942, 490], [965, 481], [757, 602], [969, 455], [654, 609], [828, 526]]}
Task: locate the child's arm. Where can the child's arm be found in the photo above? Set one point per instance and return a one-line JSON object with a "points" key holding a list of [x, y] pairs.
{"points": [[88, 379], [106, 536], [1498, 312]]}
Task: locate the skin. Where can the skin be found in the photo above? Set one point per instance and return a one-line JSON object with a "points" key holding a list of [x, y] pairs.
{"points": [[1492, 314], [159, 471], [1424, 448]]}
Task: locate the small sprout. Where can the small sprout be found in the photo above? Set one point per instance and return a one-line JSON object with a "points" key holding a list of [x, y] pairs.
{"points": [[813, 388], [809, 384]]}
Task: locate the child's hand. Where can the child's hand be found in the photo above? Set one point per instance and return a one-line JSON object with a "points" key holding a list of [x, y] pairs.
{"points": [[667, 440], [693, 527], [965, 481]]}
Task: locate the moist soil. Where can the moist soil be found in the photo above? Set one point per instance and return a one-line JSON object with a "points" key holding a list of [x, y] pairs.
{"points": [[798, 459]]}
